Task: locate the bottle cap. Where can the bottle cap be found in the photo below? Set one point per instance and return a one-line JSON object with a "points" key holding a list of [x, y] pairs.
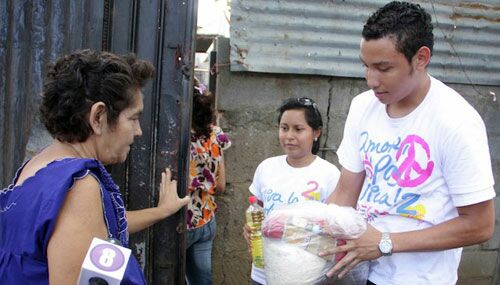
{"points": [[252, 199]]}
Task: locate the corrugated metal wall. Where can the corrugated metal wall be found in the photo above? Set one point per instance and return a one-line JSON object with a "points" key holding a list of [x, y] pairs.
{"points": [[322, 37], [32, 33], [35, 32]]}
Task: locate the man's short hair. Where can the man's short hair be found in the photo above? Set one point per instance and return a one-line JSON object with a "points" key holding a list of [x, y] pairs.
{"points": [[409, 24]]}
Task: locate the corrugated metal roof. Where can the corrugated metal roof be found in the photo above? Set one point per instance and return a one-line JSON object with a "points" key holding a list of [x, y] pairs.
{"points": [[322, 37]]}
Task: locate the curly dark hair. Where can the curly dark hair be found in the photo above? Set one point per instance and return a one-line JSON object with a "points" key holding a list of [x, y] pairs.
{"points": [[203, 113], [311, 112], [409, 23], [78, 80]]}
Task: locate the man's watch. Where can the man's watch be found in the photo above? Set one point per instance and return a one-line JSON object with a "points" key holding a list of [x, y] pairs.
{"points": [[385, 245]]}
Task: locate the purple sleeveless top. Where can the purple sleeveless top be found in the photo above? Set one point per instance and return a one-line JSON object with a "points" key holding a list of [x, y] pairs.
{"points": [[28, 214]]}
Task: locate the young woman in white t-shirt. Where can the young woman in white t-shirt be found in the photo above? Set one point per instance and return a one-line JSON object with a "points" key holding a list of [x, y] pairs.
{"points": [[299, 174]]}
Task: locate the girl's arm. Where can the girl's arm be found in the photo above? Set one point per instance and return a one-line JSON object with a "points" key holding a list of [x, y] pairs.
{"points": [[220, 186]]}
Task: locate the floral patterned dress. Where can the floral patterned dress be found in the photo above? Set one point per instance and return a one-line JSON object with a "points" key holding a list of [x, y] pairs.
{"points": [[206, 155]]}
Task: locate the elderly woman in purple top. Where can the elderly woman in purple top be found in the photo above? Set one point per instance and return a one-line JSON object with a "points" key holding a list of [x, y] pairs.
{"points": [[63, 197]]}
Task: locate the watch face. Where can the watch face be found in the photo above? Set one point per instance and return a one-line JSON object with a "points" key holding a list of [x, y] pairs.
{"points": [[385, 247]]}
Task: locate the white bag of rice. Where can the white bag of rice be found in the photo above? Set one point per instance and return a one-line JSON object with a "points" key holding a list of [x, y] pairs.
{"points": [[293, 236]]}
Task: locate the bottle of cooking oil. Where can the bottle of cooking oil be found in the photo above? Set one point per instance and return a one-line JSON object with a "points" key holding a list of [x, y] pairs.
{"points": [[254, 218]]}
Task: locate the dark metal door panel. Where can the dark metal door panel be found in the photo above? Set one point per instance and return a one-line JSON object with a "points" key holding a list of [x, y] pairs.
{"points": [[35, 32], [173, 132], [163, 33]]}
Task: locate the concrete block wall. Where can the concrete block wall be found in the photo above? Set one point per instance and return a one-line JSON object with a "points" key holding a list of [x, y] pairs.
{"points": [[247, 103]]}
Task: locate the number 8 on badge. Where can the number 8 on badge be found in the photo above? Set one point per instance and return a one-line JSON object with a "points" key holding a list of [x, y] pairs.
{"points": [[107, 257], [106, 261]]}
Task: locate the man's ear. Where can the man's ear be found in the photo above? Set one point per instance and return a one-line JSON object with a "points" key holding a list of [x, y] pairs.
{"points": [[98, 117], [422, 58]]}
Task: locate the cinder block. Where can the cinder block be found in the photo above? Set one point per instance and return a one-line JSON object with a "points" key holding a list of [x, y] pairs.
{"points": [[497, 205], [476, 247], [475, 281], [478, 264]]}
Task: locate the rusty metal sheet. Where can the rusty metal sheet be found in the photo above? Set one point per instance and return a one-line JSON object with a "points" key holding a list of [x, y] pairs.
{"points": [[322, 37]]}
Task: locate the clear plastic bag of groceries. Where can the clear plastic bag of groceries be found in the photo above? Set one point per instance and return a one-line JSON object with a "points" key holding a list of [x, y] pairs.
{"points": [[294, 234]]}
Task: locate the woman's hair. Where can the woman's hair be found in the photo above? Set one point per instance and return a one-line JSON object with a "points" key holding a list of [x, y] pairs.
{"points": [[311, 112], [78, 80], [203, 111]]}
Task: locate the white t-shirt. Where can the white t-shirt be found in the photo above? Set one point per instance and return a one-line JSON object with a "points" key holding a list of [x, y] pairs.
{"points": [[276, 182], [419, 168]]}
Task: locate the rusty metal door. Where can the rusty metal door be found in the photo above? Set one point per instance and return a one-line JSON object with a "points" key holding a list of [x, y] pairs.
{"points": [[34, 32]]}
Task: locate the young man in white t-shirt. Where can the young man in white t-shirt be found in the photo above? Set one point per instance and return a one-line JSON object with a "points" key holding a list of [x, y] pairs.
{"points": [[415, 160]]}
